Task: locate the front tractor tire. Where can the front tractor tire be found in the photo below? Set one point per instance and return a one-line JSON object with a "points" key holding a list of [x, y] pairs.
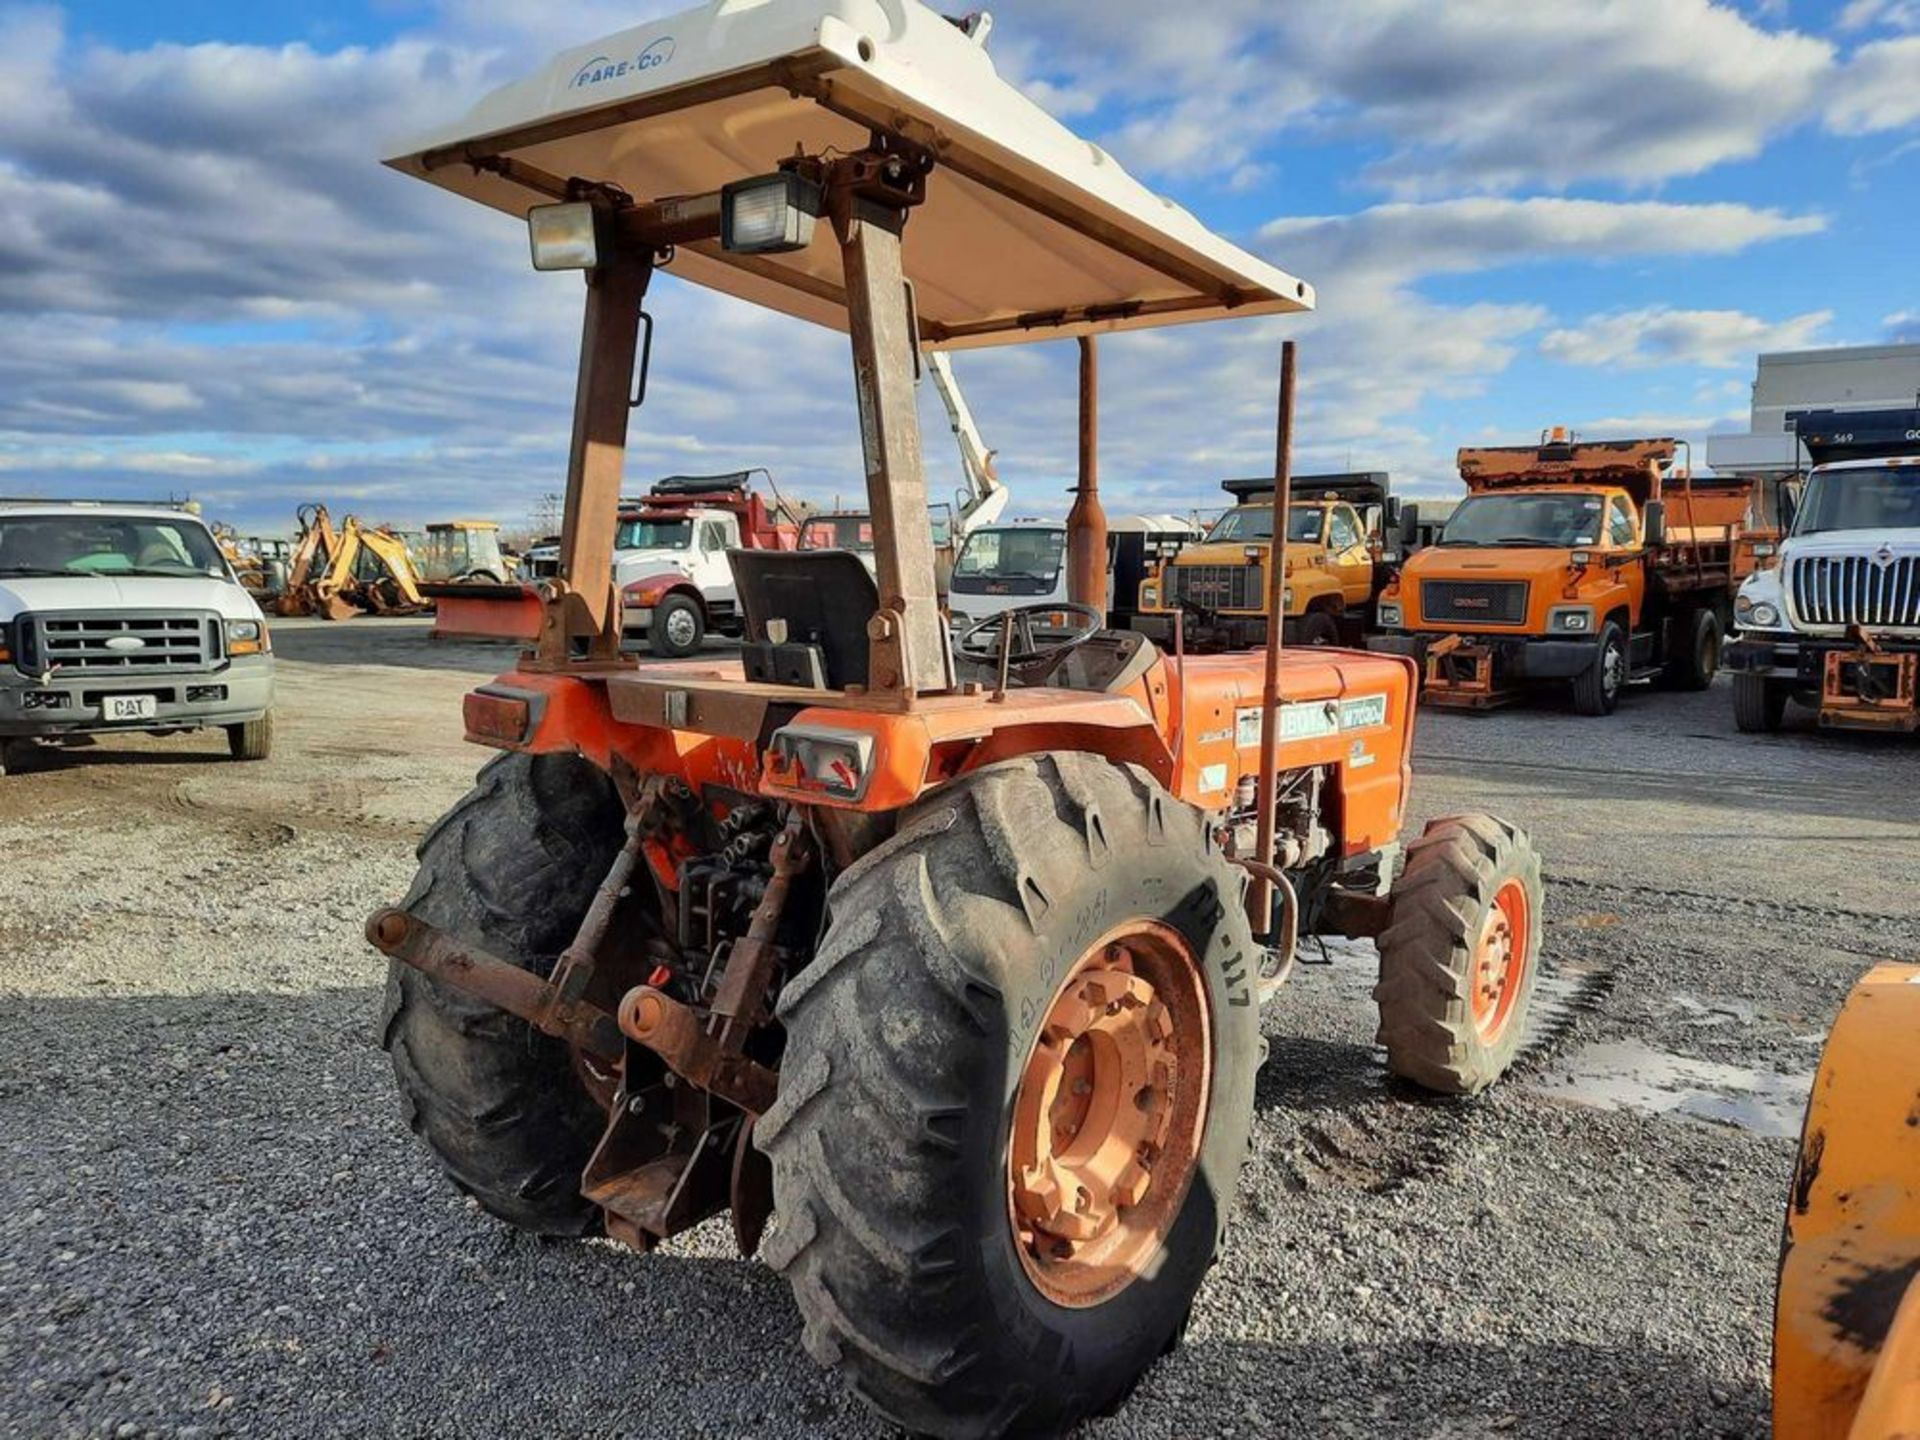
{"points": [[1461, 954], [1016, 1095], [512, 868]]}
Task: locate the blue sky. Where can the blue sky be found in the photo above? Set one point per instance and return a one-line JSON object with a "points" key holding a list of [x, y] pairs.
{"points": [[1516, 216]]}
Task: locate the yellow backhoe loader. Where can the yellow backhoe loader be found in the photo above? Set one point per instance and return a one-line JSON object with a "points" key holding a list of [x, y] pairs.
{"points": [[337, 574]]}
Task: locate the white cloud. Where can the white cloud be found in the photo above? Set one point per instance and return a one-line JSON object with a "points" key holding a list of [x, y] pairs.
{"points": [[1659, 335], [1902, 327], [1479, 93], [1389, 244], [1879, 89], [1884, 14]]}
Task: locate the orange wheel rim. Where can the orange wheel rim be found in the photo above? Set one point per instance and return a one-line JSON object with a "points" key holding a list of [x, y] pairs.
{"points": [[1500, 960], [1109, 1114]]}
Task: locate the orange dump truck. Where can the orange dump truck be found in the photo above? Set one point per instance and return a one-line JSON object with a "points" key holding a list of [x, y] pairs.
{"points": [[1590, 564]]}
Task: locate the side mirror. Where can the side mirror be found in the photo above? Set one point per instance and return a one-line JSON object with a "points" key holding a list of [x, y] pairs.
{"points": [[1409, 527], [1789, 508], [1656, 524], [1391, 512]]}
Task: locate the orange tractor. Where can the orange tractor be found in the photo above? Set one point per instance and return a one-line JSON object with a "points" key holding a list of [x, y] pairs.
{"points": [[948, 952]]}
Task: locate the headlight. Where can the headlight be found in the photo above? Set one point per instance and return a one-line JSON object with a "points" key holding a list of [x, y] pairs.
{"points": [[1390, 616], [769, 215], [1571, 620], [247, 637], [1149, 597], [1756, 613], [563, 237]]}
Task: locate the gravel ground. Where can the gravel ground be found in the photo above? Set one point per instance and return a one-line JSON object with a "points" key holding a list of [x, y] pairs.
{"points": [[213, 1222]]}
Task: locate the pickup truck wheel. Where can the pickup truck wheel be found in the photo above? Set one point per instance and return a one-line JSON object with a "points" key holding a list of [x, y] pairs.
{"points": [[505, 1109], [1460, 954], [1318, 628], [1598, 691], [252, 740], [1759, 705], [677, 629], [1696, 658]]}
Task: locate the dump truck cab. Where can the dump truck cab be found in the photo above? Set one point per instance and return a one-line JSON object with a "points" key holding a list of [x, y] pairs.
{"points": [[1588, 563], [1834, 625], [671, 563], [1343, 542], [951, 952]]}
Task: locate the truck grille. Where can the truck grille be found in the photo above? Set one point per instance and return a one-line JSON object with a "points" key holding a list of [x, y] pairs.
{"points": [[105, 644], [1474, 602], [1215, 587], [1856, 590]]}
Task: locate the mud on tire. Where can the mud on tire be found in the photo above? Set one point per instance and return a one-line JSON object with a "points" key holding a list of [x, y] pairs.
{"points": [[1443, 908], [907, 1039], [512, 868]]}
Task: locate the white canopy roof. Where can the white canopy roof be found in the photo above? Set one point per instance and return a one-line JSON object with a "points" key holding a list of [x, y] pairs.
{"points": [[1028, 232]]}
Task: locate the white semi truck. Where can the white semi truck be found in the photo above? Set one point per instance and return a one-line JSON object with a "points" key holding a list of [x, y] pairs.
{"points": [[1835, 626]]}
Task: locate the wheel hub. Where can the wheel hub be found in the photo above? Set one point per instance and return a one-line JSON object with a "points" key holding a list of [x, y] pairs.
{"points": [[1500, 959], [1108, 1115]]}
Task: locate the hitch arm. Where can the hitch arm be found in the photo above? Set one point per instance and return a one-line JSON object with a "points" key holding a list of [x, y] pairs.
{"points": [[436, 954]]}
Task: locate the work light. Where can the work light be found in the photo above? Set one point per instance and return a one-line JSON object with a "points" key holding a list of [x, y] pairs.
{"points": [[769, 215], [563, 237]]}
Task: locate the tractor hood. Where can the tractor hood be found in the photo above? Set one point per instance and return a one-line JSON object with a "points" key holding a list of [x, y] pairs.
{"points": [[106, 593], [1029, 232]]}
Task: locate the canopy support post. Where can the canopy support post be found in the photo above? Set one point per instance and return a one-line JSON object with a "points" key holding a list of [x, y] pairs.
{"points": [[910, 650]]}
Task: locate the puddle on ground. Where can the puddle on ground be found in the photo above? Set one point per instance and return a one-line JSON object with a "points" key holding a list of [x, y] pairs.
{"points": [[1625, 1075]]}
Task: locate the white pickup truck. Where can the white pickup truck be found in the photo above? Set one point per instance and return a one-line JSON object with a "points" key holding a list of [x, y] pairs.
{"points": [[126, 617]]}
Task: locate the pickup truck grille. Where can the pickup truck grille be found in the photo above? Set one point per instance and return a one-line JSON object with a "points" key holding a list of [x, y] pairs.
{"points": [[1474, 602], [1856, 590], [1215, 587], [138, 644]]}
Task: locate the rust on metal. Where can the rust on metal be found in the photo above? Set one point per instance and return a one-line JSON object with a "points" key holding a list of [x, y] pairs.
{"points": [[869, 196], [1087, 520], [676, 1033], [1260, 894], [434, 953]]}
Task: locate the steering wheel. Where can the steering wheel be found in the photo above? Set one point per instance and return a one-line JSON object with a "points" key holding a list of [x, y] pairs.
{"points": [[984, 640]]}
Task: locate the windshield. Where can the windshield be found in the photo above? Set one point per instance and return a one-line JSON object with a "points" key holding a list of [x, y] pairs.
{"points": [[1012, 555], [654, 535], [1554, 521], [838, 532], [1882, 499], [106, 545], [1255, 522]]}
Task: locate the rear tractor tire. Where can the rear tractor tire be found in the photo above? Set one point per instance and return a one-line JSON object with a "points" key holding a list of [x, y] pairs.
{"points": [[1460, 954], [511, 868], [1016, 1095]]}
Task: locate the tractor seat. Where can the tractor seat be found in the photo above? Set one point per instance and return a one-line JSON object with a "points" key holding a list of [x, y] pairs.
{"points": [[822, 598]]}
